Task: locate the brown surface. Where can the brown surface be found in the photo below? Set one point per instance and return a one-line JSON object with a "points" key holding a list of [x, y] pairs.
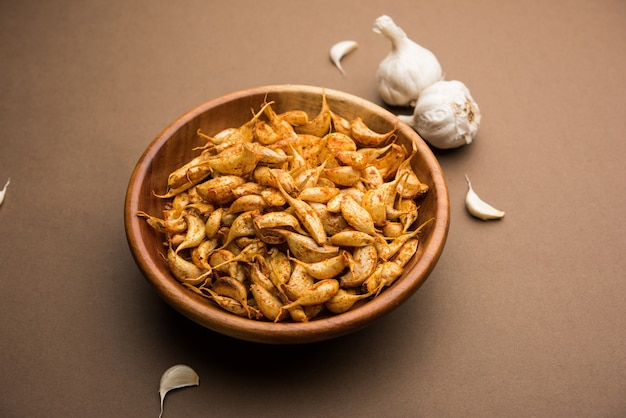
{"points": [[524, 316], [164, 156]]}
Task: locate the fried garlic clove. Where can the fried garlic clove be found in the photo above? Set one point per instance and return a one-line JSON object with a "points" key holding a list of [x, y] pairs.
{"points": [[196, 232], [279, 266], [340, 124], [374, 152], [317, 294], [271, 220], [295, 117], [389, 162], [185, 271], [343, 175], [273, 177], [164, 226], [189, 174], [268, 304], [393, 229], [325, 269], [406, 252], [364, 262], [312, 311], [388, 250], [308, 217], [220, 189], [248, 188], [299, 282], [343, 301], [371, 177], [259, 273], [367, 137], [385, 274], [318, 194], [338, 141], [282, 127], [176, 377], [334, 204], [233, 306], [240, 161], [264, 133], [213, 223], [308, 177], [333, 221], [230, 287], [245, 133], [221, 137], [267, 155], [273, 197], [298, 314], [305, 248], [409, 213], [356, 215], [375, 203], [351, 238], [242, 226], [247, 203], [320, 125], [410, 187], [354, 159], [200, 254]]}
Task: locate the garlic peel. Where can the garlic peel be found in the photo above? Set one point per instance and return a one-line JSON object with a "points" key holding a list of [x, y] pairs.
{"points": [[479, 208], [176, 377], [445, 115], [4, 190], [340, 50], [407, 69]]}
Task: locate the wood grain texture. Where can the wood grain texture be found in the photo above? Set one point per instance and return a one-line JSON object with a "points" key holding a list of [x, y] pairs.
{"points": [[174, 146]]}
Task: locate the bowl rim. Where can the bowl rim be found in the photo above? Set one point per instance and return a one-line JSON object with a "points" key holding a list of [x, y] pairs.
{"points": [[329, 327]]}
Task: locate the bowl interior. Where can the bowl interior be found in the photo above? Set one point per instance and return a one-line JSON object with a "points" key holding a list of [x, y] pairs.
{"points": [[174, 146]]}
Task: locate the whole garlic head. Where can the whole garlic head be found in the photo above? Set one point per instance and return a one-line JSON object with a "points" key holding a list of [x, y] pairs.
{"points": [[445, 115], [407, 69]]}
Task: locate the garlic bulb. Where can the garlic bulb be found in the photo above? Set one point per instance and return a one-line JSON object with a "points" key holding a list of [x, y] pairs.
{"points": [[445, 115], [407, 69], [176, 377], [479, 208]]}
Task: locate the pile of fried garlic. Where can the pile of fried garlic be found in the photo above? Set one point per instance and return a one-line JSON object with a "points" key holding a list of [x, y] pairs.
{"points": [[286, 217]]}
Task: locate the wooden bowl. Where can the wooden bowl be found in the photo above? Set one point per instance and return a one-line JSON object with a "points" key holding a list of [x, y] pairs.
{"points": [[174, 146]]}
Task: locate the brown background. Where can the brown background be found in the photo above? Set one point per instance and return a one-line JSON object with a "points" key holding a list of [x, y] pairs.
{"points": [[521, 317]]}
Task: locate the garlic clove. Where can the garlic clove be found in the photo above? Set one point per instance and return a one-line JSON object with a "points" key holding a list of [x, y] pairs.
{"points": [[4, 191], [407, 69], [176, 377], [445, 115], [477, 207], [340, 50]]}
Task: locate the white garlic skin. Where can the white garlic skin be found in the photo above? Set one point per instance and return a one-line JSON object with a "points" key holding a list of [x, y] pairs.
{"points": [[445, 115], [408, 68]]}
